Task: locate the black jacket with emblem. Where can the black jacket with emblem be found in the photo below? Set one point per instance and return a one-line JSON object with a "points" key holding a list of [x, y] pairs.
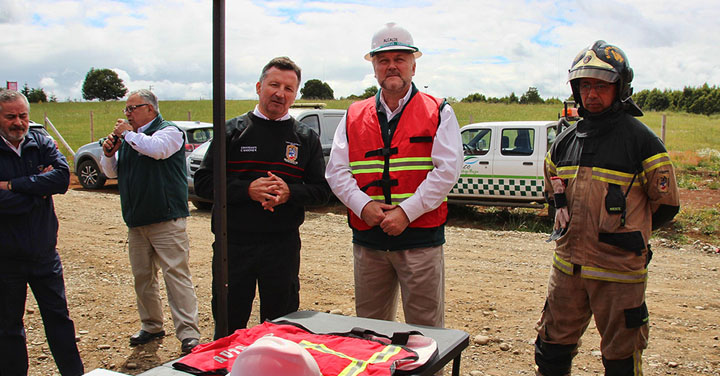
{"points": [[620, 184], [254, 146]]}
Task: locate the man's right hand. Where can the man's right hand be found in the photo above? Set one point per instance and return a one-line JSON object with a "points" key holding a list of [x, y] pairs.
{"points": [[111, 145], [374, 212], [561, 218]]}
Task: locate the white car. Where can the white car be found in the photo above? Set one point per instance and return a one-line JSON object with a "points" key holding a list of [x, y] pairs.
{"points": [[87, 157]]}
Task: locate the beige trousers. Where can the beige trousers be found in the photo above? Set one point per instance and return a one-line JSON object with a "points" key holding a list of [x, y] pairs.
{"points": [[164, 246], [420, 274]]}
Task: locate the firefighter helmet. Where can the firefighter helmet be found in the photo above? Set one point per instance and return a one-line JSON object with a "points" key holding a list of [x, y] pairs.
{"points": [[392, 38], [604, 62], [271, 356]]}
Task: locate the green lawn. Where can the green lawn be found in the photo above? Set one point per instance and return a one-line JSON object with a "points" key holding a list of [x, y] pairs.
{"points": [[693, 140]]}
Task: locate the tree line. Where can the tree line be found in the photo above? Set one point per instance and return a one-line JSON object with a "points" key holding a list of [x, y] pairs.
{"points": [[702, 100], [104, 84]]}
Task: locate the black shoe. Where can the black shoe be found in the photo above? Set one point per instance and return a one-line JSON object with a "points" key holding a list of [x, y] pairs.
{"points": [[143, 337], [188, 344]]}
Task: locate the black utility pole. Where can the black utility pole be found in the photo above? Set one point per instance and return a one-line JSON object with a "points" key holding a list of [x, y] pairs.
{"points": [[220, 260]]}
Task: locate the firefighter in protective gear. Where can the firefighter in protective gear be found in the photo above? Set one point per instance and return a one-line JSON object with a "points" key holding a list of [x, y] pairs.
{"points": [[612, 182], [273, 356]]}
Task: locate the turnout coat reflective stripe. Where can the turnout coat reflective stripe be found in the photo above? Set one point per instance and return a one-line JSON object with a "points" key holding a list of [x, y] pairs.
{"points": [[335, 354]]}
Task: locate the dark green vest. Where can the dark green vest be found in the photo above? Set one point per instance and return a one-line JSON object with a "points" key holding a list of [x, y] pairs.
{"points": [[152, 191]]}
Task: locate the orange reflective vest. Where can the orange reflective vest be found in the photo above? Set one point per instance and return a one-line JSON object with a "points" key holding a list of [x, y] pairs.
{"points": [[392, 173], [334, 354]]}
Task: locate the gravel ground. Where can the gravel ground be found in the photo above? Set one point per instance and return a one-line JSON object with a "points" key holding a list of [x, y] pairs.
{"points": [[496, 284]]}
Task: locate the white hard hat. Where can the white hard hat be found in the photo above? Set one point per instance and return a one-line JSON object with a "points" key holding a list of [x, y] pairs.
{"points": [[273, 356], [392, 38]]}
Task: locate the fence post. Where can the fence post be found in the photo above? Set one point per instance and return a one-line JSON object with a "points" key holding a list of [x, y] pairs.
{"points": [[662, 128], [92, 128], [471, 119], [189, 115]]}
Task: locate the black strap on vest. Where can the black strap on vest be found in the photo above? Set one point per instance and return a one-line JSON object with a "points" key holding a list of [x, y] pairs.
{"points": [[385, 152]]}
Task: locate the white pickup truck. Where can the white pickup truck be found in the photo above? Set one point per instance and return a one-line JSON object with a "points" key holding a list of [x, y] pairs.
{"points": [[503, 163]]}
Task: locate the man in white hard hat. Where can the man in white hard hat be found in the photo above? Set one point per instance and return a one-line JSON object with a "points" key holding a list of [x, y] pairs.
{"points": [[394, 159], [275, 356]]}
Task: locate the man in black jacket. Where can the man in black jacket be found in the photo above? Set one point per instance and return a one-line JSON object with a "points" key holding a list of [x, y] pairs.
{"points": [[31, 171], [275, 167]]}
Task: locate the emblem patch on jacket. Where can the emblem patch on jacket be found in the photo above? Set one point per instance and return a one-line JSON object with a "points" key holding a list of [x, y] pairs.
{"points": [[291, 153], [663, 184]]}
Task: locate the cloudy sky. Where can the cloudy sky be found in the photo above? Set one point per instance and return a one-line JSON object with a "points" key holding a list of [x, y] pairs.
{"points": [[487, 46]]}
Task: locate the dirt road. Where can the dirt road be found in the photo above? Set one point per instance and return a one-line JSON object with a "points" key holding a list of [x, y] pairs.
{"points": [[496, 284]]}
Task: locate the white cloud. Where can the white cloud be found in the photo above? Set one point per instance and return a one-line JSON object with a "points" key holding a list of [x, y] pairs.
{"points": [[481, 46]]}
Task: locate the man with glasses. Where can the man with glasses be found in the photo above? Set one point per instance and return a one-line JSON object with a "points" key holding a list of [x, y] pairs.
{"points": [[612, 183], [147, 154]]}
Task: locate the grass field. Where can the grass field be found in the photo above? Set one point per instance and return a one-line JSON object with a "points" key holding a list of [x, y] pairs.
{"points": [[693, 142], [684, 132]]}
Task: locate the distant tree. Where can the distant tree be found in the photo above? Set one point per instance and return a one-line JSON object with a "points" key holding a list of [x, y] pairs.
{"points": [[103, 84], [531, 97], [657, 100], [37, 96], [316, 89], [25, 90], [474, 97], [512, 98], [369, 92]]}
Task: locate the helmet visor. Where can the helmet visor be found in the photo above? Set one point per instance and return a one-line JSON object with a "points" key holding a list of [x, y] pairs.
{"points": [[600, 74]]}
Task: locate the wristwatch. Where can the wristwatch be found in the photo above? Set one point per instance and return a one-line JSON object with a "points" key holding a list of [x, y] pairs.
{"points": [[9, 185]]}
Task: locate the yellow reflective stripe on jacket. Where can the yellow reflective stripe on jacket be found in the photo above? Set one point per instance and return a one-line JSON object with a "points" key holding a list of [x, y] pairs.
{"points": [[356, 366], [396, 198], [589, 272], [396, 164], [600, 174], [562, 265], [550, 164], [637, 276], [657, 160]]}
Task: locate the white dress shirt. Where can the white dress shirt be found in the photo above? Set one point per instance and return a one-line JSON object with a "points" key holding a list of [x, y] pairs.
{"points": [[161, 145], [446, 154]]}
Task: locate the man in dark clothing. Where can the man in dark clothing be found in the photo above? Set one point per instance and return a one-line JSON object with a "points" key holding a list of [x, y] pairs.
{"points": [[275, 167], [31, 171], [612, 183]]}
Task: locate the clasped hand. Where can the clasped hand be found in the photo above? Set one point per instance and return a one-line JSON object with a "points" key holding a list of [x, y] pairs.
{"points": [[391, 218], [269, 191]]}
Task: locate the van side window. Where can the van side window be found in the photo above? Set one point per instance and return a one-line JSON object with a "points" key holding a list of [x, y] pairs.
{"points": [[551, 136], [476, 141], [517, 141], [328, 129], [312, 121]]}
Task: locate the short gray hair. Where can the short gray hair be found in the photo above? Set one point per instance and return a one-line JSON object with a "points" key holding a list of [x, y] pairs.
{"points": [[9, 96], [148, 97]]}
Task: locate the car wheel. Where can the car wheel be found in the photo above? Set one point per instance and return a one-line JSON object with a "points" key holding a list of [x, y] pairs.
{"points": [[202, 205], [89, 175]]}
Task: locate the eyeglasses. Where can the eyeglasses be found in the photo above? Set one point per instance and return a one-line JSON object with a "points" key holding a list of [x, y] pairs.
{"points": [[130, 109], [601, 87]]}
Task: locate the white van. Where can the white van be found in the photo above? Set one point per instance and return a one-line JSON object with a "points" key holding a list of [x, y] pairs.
{"points": [[503, 163]]}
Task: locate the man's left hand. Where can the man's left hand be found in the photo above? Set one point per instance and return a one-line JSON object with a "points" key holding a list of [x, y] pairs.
{"points": [[395, 222], [279, 189]]}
